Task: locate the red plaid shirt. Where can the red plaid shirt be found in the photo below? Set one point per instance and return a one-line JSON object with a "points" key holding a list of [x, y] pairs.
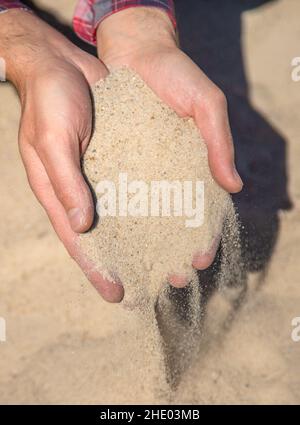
{"points": [[89, 13]]}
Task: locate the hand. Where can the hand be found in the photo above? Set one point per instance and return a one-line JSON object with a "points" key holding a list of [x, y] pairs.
{"points": [[52, 78], [144, 40]]}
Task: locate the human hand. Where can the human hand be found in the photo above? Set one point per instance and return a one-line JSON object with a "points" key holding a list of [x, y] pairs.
{"points": [[144, 39], [53, 79]]}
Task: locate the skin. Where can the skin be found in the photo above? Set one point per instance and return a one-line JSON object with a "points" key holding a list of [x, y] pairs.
{"points": [[53, 79]]}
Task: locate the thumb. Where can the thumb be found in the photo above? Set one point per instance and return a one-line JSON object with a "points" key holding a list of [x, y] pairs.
{"points": [[62, 164]]}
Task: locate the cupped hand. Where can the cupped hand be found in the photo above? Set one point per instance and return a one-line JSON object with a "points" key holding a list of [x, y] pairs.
{"points": [[144, 40], [55, 129]]}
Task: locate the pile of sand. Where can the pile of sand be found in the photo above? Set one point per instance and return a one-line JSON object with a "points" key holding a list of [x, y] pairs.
{"points": [[138, 138]]}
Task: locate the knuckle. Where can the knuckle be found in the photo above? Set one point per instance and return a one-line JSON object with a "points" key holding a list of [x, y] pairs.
{"points": [[46, 138], [42, 141]]}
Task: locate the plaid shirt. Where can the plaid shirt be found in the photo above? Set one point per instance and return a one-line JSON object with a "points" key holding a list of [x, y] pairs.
{"points": [[89, 13]]}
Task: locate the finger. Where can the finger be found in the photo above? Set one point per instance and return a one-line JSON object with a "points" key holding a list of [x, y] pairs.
{"points": [[110, 290], [178, 280], [60, 157], [202, 261], [212, 119], [42, 188]]}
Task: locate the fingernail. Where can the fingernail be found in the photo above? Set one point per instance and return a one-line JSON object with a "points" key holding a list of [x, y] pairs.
{"points": [[77, 219]]}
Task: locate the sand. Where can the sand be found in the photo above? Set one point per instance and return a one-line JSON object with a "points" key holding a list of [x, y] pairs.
{"points": [[147, 233], [141, 144], [65, 345]]}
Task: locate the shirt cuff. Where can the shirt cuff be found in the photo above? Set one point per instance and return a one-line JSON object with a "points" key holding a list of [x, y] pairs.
{"points": [[89, 14]]}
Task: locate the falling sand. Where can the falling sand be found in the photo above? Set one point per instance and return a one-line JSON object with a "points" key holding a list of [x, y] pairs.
{"points": [[147, 168]]}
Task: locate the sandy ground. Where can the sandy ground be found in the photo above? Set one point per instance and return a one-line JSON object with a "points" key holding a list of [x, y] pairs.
{"points": [[65, 345]]}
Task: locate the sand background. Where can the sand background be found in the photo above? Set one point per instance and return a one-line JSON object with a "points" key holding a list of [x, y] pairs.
{"points": [[65, 345]]}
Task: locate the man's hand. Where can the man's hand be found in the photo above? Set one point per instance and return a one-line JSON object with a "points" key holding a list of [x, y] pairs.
{"points": [[52, 78], [144, 39]]}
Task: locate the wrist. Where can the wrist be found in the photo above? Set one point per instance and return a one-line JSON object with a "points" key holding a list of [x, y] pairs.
{"points": [[26, 43], [130, 31]]}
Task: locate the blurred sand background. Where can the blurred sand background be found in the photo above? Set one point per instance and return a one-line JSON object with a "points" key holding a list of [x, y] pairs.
{"points": [[65, 345]]}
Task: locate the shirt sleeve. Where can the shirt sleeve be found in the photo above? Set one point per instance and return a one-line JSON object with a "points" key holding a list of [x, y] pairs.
{"points": [[8, 4], [89, 13]]}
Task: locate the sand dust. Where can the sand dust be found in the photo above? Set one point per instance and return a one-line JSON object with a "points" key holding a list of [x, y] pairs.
{"points": [[66, 345]]}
